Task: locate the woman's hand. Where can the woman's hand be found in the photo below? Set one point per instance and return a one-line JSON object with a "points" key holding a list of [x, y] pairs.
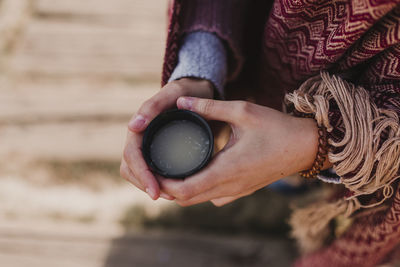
{"points": [[133, 167], [265, 145]]}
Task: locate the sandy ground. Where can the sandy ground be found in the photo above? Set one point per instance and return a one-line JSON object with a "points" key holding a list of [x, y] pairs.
{"points": [[72, 74]]}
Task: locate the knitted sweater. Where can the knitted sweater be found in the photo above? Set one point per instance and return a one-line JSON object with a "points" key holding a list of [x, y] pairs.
{"points": [[339, 60], [202, 55]]}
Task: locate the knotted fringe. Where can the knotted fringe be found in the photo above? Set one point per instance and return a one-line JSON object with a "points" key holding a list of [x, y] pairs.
{"points": [[364, 124], [310, 224]]}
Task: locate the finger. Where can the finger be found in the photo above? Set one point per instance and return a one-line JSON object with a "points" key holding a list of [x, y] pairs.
{"points": [[127, 174], [228, 111], [134, 160], [219, 202], [203, 198], [160, 102], [229, 190], [227, 196], [210, 177], [221, 170], [166, 196]]}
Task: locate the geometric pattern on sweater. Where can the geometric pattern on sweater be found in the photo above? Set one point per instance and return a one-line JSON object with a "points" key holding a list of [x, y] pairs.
{"points": [[369, 240], [361, 38], [358, 38], [303, 37]]}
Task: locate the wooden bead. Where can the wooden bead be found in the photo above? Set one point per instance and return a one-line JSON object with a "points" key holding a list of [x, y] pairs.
{"points": [[321, 152]]}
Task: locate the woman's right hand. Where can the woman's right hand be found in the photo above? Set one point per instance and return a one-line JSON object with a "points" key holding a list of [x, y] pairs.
{"points": [[133, 167]]}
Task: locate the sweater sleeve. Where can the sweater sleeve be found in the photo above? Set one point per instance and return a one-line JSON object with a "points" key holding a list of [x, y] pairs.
{"points": [[362, 121], [202, 55], [224, 18], [359, 104]]}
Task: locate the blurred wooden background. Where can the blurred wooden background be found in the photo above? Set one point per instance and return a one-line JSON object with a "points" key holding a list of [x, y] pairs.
{"points": [[86, 63], [72, 73]]}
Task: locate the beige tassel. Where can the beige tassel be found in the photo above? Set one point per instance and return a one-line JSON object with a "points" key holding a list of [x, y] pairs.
{"points": [[364, 124], [310, 224]]}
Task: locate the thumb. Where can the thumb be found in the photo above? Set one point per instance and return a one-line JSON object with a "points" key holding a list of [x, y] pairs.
{"points": [[208, 108]]}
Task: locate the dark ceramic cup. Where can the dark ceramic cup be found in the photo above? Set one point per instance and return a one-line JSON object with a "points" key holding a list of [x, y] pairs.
{"points": [[165, 119]]}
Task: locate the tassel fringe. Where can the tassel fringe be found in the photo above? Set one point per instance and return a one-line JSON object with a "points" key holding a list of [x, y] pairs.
{"points": [[310, 224], [364, 124]]}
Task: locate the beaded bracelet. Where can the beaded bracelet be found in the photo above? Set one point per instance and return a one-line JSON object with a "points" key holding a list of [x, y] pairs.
{"points": [[322, 150]]}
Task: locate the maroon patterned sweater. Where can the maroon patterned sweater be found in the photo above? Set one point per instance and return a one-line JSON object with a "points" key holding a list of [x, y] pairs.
{"points": [[275, 47]]}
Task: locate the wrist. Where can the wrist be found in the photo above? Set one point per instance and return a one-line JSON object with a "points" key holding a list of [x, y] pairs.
{"points": [[314, 146], [196, 87], [309, 142]]}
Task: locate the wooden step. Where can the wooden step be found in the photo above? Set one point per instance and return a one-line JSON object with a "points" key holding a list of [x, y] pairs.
{"points": [[63, 101], [65, 249], [63, 48], [68, 120], [154, 8]]}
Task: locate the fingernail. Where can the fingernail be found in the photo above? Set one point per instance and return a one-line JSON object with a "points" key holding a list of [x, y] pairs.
{"points": [[150, 191], [137, 123], [186, 103]]}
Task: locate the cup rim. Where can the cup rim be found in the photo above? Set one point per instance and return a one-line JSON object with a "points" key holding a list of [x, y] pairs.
{"points": [[165, 118]]}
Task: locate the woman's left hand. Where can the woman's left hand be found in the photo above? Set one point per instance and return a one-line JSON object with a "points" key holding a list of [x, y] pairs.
{"points": [[265, 145]]}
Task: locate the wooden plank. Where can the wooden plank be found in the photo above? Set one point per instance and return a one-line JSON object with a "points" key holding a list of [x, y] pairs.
{"points": [[81, 49], [13, 15], [145, 250], [40, 102], [64, 141], [155, 8], [68, 120], [24, 246]]}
